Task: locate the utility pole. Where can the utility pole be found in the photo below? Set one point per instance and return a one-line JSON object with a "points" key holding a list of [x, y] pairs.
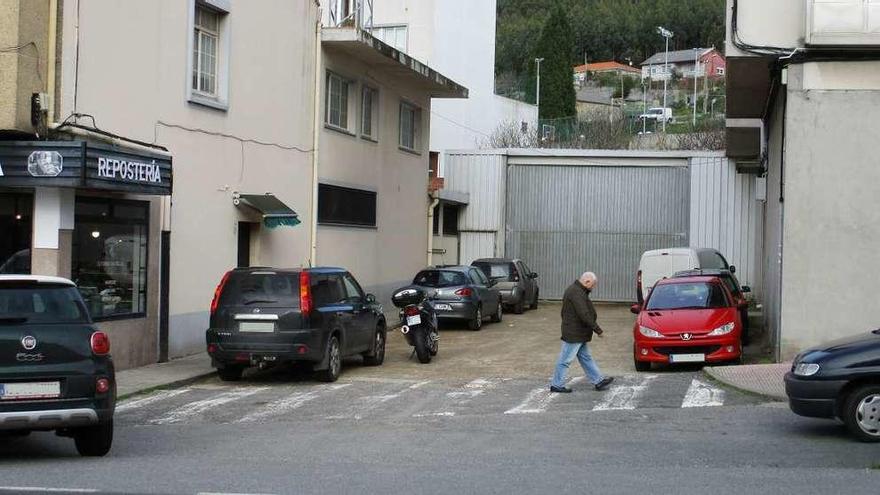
{"points": [[696, 66], [666, 34], [538, 91]]}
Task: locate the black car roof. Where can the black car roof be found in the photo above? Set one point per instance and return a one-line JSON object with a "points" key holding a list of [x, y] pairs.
{"points": [[459, 268], [714, 272], [496, 260]]}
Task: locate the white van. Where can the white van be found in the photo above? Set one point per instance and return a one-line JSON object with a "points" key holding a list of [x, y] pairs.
{"points": [[663, 263]]}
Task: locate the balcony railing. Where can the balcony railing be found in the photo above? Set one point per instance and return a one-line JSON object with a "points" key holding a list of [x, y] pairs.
{"points": [[351, 13]]}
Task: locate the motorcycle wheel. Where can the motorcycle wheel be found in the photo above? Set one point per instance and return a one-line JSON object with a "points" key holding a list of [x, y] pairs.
{"points": [[420, 339], [433, 346]]}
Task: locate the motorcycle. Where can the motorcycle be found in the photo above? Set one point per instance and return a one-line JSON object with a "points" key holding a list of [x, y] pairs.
{"points": [[418, 322]]}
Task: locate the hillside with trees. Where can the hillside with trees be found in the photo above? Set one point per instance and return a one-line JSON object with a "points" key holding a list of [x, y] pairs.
{"points": [[619, 30]]}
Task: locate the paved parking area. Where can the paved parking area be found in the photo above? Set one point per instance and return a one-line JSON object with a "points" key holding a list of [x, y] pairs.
{"points": [[521, 346]]}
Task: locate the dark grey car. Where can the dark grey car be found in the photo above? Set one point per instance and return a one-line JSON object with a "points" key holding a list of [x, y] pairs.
{"points": [[516, 282], [461, 293]]}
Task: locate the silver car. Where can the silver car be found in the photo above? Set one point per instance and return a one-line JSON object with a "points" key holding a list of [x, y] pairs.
{"points": [[516, 282]]}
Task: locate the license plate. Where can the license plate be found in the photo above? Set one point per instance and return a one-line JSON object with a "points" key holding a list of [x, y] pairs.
{"points": [[413, 320], [687, 358], [37, 390], [256, 326], [443, 307]]}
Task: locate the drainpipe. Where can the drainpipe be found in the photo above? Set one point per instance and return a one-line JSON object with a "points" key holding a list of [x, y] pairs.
{"points": [[313, 254], [435, 201], [50, 61]]}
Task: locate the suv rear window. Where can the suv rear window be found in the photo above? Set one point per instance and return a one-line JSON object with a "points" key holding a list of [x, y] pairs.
{"points": [[263, 288], [698, 295], [39, 303], [439, 278], [497, 270]]}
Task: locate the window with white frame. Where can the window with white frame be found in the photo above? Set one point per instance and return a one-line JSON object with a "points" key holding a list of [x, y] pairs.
{"points": [[336, 106], [370, 113], [395, 36], [410, 127], [206, 43], [209, 49]]}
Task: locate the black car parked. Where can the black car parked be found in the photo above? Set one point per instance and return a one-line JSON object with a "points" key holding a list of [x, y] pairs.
{"points": [[56, 372], [840, 380], [461, 293], [264, 317]]}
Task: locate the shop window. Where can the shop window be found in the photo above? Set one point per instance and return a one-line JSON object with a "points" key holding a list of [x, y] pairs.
{"points": [[346, 206], [109, 262], [16, 216]]}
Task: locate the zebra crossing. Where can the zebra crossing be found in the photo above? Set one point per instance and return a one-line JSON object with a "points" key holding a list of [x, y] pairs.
{"points": [[396, 399]]}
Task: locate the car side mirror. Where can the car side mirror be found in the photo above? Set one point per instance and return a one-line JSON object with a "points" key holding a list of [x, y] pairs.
{"points": [[746, 289], [635, 309], [533, 275], [732, 269], [371, 299]]}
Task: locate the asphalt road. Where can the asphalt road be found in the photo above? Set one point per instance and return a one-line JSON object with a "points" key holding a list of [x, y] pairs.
{"points": [[473, 422]]}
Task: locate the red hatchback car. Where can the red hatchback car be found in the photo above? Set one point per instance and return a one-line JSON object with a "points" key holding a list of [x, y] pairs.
{"points": [[687, 320]]}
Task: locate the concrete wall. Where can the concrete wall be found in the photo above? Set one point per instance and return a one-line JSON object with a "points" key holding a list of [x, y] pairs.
{"points": [[135, 84], [23, 71], [776, 23], [457, 38], [832, 210], [773, 217], [388, 256]]}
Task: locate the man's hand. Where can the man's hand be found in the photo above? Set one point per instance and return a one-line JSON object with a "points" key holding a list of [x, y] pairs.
{"points": [[599, 332]]}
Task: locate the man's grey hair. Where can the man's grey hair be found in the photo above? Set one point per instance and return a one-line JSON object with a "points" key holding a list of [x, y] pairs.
{"points": [[587, 276]]}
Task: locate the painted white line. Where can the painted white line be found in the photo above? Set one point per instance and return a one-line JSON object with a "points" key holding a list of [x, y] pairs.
{"points": [[372, 402], [193, 409], [146, 401], [538, 400], [624, 397], [702, 394], [38, 489], [290, 403]]}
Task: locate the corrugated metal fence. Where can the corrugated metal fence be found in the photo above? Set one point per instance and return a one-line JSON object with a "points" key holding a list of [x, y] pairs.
{"points": [[564, 220]]}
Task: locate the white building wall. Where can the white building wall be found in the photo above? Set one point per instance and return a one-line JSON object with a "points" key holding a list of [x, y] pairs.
{"points": [[457, 37]]}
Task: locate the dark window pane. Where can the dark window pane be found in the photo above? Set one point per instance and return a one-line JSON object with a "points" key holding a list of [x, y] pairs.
{"points": [[687, 296], [265, 289], [110, 255], [345, 206], [439, 278], [450, 220], [40, 304]]}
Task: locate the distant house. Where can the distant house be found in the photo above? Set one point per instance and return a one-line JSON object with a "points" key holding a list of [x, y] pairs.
{"points": [[581, 71], [597, 102], [711, 64]]}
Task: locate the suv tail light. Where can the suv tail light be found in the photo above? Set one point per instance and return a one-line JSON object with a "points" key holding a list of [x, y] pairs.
{"points": [[411, 310], [100, 344], [466, 292], [218, 291], [305, 293]]}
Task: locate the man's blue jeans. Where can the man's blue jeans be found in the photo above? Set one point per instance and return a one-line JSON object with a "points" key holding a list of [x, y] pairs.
{"points": [[569, 351]]}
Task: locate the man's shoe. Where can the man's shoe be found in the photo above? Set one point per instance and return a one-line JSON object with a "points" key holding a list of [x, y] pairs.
{"points": [[560, 390], [604, 383]]}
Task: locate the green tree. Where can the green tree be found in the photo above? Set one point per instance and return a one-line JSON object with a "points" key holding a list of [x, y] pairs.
{"points": [[556, 47]]}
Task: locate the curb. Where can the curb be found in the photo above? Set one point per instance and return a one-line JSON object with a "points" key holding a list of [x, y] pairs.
{"points": [[172, 384], [709, 373]]}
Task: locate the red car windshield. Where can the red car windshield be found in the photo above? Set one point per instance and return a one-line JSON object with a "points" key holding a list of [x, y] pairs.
{"points": [[697, 295]]}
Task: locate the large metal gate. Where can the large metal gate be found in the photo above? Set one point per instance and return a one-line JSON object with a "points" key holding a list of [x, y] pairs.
{"points": [[564, 220]]}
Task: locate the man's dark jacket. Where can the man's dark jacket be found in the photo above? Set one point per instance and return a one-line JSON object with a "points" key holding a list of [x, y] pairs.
{"points": [[578, 315]]}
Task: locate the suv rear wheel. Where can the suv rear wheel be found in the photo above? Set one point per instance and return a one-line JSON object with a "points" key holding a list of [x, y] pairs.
{"points": [[534, 304], [520, 307], [334, 361], [230, 373], [861, 413], [499, 313], [94, 441], [377, 356]]}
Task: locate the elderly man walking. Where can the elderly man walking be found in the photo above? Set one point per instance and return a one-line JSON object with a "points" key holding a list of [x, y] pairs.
{"points": [[578, 326]]}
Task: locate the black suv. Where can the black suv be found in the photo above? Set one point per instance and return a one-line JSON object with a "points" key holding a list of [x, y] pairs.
{"points": [[55, 367], [264, 317]]}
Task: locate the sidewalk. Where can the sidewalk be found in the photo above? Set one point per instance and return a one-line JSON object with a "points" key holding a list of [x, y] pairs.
{"points": [[174, 372], [761, 379]]}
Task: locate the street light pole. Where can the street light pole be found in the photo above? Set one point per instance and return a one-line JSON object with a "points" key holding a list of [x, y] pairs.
{"points": [[538, 90], [666, 34], [696, 65]]}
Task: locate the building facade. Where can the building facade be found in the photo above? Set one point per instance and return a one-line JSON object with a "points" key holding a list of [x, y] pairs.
{"points": [[802, 103], [279, 135], [699, 62]]}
